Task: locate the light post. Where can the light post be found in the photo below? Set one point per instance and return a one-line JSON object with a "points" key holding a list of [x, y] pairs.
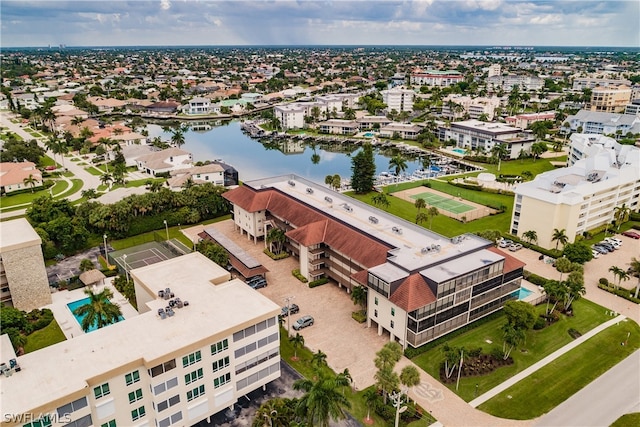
{"points": [[106, 253], [396, 398], [126, 269], [166, 227], [288, 301]]}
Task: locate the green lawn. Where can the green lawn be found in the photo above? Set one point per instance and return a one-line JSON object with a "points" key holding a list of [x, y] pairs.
{"points": [[142, 182], [515, 167], [45, 337], [566, 375], [9, 201], [358, 405], [538, 345], [442, 224], [628, 420], [94, 171], [47, 161], [75, 187]]}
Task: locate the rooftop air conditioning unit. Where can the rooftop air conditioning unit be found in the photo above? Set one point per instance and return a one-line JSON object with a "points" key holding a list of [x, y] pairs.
{"points": [[373, 219], [425, 250], [291, 183], [328, 199], [347, 208], [309, 190], [397, 230]]}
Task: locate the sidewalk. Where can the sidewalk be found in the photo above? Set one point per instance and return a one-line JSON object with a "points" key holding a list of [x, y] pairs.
{"points": [[543, 362]]}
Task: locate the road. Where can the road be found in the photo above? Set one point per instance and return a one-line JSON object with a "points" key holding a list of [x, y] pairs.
{"points": [[601, 402]]}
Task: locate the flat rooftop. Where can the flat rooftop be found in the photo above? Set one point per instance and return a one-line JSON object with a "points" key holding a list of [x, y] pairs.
{"points": [[64, 368], [16, 234], [414, 247]]}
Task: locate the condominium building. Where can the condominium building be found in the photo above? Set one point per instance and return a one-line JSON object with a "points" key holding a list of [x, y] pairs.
{"points": [[580, 83], [611, 99], [398, 98], [585, 121], [478, 136], [23, 277], [581, 197], [583, 145], [494, 70], [474, 108], [164, 367], [633, 107], [521, 81], [436, 78], [523, 121], [421, 285]]}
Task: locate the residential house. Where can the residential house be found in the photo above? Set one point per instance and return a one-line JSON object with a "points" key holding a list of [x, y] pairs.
{"points": [[523, 121], [164, 161], [339, 127], [403, 130], [213, 173], [12, 176], [198, 105]]}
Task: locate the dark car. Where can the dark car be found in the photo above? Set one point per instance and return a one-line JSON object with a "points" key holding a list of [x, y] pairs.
{"points": [[257, 284], [600, 249], [631, 234], [292, 309], [303, 322]]}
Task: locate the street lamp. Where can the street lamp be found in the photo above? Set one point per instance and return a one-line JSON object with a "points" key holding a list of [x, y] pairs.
{"points": [[126, 268], [166, 227], [106, 254], [396, 398], [288, 301]]}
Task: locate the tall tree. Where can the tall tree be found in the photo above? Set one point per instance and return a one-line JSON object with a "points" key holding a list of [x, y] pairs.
{"points": [[618, 274], [409, 376], [322, 402], [99, 310], [30, 181], [563, 265], [276, 238], [319, 359], [296, 341], [432, 212], [531, 236], [380, 199], [560, 237], [363, 168], [420, 203], [397, 164], [621, 214], [359, 296], [635, 271]]}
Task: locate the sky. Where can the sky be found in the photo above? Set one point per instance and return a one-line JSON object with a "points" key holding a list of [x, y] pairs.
{"points": [[306, 22]]}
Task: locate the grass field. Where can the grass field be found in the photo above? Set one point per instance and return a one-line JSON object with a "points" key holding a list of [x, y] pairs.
{"points": [[94, 171], [538, 345], [628, 420], [563, 377], [52, 334]]}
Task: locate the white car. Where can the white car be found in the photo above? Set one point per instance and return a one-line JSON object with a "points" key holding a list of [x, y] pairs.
{"points": [[505, 243], [614, 241], [596, 254]]}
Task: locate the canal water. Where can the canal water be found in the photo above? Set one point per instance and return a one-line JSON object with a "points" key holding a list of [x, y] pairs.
{"points": [[253, 160]]}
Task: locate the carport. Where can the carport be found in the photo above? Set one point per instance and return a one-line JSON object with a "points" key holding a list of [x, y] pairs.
{"points": [[240, 260]]}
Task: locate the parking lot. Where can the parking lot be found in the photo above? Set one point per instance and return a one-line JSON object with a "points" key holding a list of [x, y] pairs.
{"points": [[346, 343]]}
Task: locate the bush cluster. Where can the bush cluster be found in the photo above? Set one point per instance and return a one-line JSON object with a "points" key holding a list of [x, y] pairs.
{"points": [[359, 316], [297, 275], [281, 255], [318, 282], [623, 293], [534, 278]]}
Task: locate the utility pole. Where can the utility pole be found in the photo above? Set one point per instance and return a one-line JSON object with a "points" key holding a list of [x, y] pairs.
{"points": [[288, 301], [396, 398]]}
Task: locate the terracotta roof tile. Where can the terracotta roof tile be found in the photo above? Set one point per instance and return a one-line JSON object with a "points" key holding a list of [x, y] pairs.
{"points": [[510, 263], [413, 293]]}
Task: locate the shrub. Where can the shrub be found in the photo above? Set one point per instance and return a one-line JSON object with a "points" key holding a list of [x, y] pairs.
{"points": [[534, 278], [574, 333], [497, 353], [297, 275], [540, 323], [603, 281], [623, 293], [474, 352], [359, 316], [318, 282], [281, 255]]}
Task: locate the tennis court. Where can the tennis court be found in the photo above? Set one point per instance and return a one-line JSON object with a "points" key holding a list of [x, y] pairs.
{"points": [[447, 203], [147, 254]]}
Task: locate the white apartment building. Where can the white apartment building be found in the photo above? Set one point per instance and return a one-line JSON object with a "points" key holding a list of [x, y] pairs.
{"points": [[398, 98], [473, 107], [292, 116], [633, 108], [23, 277], [584, 145], [580, 83], [578, 198], [404, 130], [523, 82], [494, 70], [436, 78], [153, 370], [585, 121], [474, 135]]}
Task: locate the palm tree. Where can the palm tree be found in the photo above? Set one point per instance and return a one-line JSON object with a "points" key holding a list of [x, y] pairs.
{"points": [[106, 179], [337, 182], [432, 212], [559, 236], [398, 164], [409, 377], [297, 341], [635, 271], [420, 204], [421, 217], [30, 181], [621, 214], [277, 237], [619, 274], [322, 401], [531, 236], [563, 265], [575, 288], [380, 199], [319, 359], [99, 311], [86, 265], [344, 379], [329, 180], [359, 296], [177, 137], [370, 397]]}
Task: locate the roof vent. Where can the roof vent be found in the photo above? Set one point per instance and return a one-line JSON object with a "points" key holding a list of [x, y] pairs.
{"points": [[425, 250], [309, 190], [397, 230], [291, 183], [347, 208], [373, 219], [328, 199]]}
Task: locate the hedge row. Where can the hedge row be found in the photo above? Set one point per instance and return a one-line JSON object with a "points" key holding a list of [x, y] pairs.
{"points": [[623, 293], [281, 255], [297, 275], [534, 278], [321, 281], [553, 253], [411, 352]]}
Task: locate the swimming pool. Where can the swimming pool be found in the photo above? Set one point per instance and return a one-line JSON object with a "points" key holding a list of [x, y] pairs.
{"points": [[522, 293], [460, 150], [73, 305], [368, 134]]}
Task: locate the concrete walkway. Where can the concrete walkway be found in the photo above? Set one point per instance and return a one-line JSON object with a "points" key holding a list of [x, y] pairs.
{"points": [[543, 362]]}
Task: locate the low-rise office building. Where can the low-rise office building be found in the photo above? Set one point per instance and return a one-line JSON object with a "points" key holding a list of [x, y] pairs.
{"points": [[23, 277], [421, 285], [161, 368]]}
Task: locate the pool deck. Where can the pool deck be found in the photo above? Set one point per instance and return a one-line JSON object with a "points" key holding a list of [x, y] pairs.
{"points": [[70, 327]]}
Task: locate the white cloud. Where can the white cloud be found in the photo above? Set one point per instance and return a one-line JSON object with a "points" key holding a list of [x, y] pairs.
{"points": [[165, 4]]}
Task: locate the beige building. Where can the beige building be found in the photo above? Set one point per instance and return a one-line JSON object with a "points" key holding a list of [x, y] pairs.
{"points": [[578, 198], [164, 367], [612, 99], [14, 174], [23, 278]]}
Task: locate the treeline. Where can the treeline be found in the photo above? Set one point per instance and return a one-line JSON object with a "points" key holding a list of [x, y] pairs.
{"points": [[65, 228]]}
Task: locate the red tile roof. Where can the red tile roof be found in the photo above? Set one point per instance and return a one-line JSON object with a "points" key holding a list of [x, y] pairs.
{"points": [[510, 263], [413, 293]]}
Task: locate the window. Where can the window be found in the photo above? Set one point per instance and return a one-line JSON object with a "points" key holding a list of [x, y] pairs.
{"points": [[169, 421], [168, 403], [195, 393], [219, 346], [376, 300], [220, 364], [222, 380], [193, 376], [41, 422], [101, 390], [392, 324], [134, 396], [136, 414], [393, 311], [111, 423], [133, 377], [191, 359], [375, 313], [162, 387], [163, 367], [72, 407]]}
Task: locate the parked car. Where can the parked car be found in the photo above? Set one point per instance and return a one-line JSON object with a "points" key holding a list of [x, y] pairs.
{"points": [[303, 322], [515, 247], [258, 284], [292, 309], [614, 241], [254, 279], [608, 245], [505, 243], [595, 253], [600, 249], [631, 234]]}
